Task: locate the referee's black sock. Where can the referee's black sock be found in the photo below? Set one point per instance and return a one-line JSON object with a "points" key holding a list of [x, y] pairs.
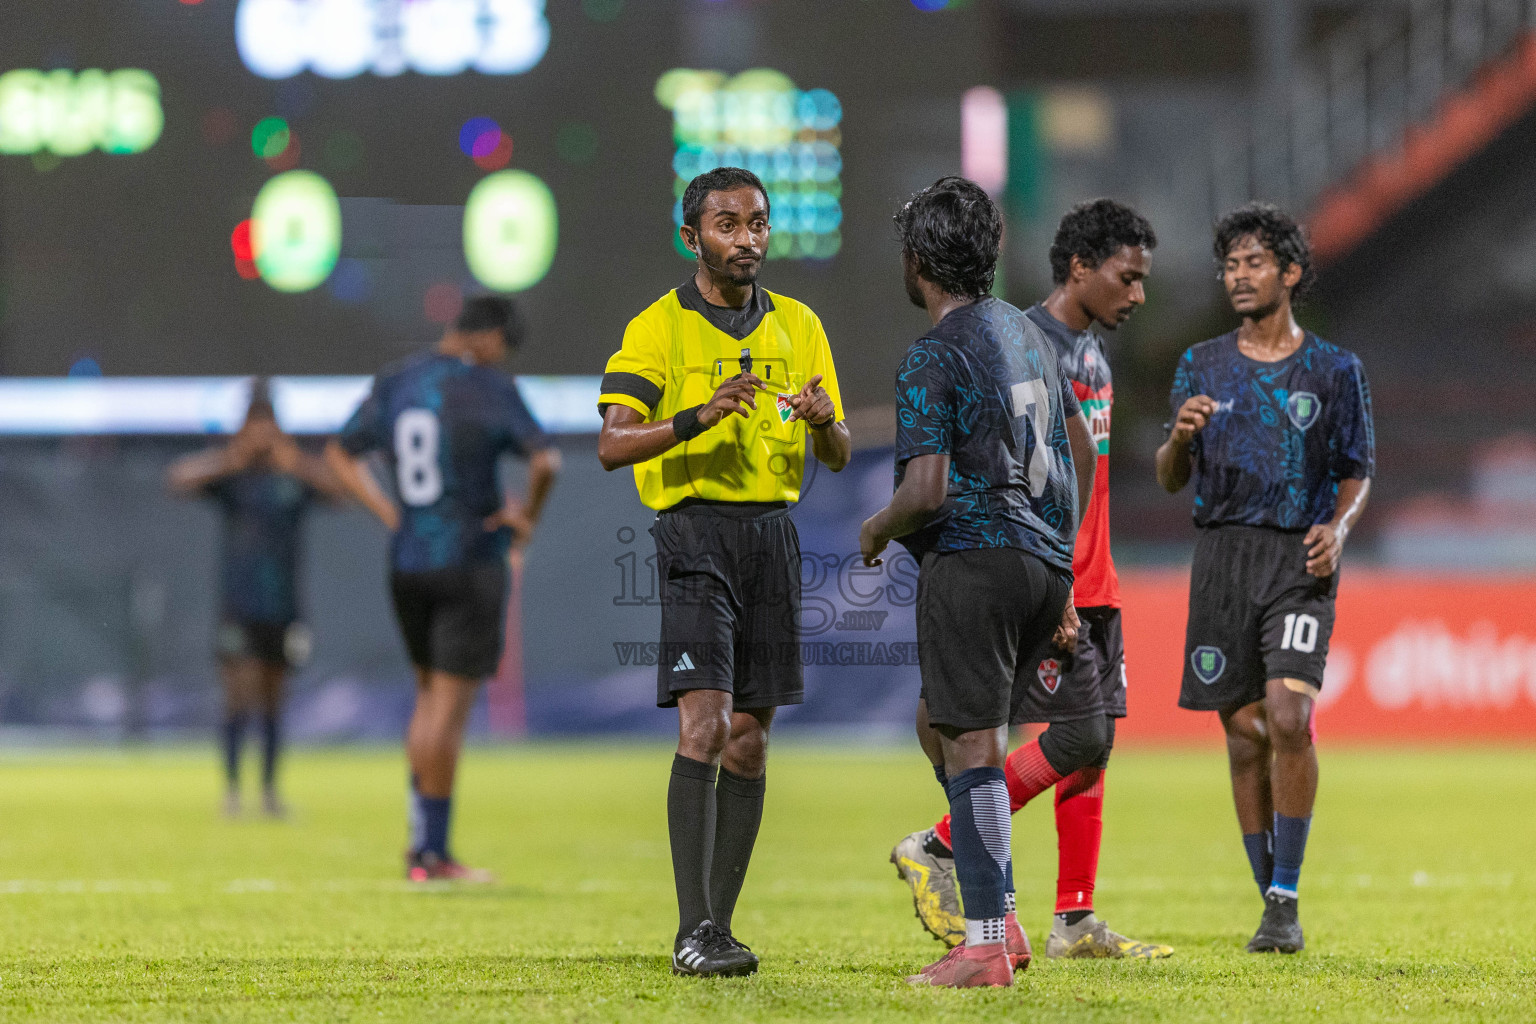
{"points": [[691, 827], [230, 736], [739, 812]]}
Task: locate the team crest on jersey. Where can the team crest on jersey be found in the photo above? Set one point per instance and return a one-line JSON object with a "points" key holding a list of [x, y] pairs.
{"points": [[1302, 407], [785, 409], [1050, 674], [1209, 663]]}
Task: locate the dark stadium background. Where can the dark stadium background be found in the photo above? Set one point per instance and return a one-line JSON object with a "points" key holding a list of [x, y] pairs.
{"points": [[124, 263]]}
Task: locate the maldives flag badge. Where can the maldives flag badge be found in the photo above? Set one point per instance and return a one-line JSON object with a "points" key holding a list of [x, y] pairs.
{"points": [[1050, 674], [785, 409]]}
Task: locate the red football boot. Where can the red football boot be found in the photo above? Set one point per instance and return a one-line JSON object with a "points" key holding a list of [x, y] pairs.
{"points": [[987, 966], [1019, 953], [428, 867]]}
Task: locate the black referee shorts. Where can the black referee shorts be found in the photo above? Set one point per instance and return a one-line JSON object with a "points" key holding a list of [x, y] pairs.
{"points": [[1255, 614], [730, 604], [985, 618], [453, 620]]}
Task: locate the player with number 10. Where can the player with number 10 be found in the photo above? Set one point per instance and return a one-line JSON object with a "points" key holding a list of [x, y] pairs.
{"points": [[443, 420], [1274, 425]]}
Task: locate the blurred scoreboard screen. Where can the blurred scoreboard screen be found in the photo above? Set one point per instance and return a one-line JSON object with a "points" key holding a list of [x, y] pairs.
{"points": [[313, 186]]}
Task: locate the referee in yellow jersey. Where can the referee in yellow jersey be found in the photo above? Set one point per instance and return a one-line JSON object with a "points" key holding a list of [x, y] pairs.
{"points": [[711, 398]]}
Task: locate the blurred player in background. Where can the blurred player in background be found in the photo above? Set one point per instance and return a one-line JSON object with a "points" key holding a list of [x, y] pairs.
{"points": [[711, 398], [1101, 254], [443, 420], [1274, 424], [263, 484], [994, 467]]}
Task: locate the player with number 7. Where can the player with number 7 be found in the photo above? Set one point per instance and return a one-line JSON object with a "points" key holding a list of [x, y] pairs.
{"points": [[442, 420]]}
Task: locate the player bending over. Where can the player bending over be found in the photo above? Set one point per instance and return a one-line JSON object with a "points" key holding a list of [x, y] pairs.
{"points": [[994, 465], [1100, 256], [712, 398], [1274, 424], [264, 485], [443, 420]]}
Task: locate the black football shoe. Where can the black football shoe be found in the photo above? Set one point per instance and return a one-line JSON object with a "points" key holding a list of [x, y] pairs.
{"points": [[711, 952], [1279, 929]]}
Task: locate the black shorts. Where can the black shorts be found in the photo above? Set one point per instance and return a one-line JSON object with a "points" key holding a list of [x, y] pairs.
{"points": [[273, 643], [1255, 614], [453, 620], [730, 604], [1089, 681], [985, 617]]}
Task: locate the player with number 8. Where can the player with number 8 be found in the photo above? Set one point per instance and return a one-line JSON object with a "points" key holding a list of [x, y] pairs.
{"points": [[1274, 426], [442, 421]]}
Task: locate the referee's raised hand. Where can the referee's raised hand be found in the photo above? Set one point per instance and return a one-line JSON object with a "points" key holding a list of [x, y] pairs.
{"points": [[812, 404], [733, 396]]}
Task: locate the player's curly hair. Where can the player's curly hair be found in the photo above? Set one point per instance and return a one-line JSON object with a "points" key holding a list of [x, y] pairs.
{"points": [[1275, 231], [953, 230], [721, 179], [1093, 232]]}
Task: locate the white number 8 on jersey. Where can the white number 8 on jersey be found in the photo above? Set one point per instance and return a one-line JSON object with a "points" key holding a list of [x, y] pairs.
{"points": [[417, 440]]}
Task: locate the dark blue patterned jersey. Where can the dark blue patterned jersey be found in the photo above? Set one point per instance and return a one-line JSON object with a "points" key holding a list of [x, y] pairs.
{"points": [[984, 387], [1283, 435], [263, 519], [443, 426]]}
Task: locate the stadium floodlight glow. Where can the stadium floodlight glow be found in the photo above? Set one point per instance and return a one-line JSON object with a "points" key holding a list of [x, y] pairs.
{"points": [[789, 138], [296, 231], [344, 38], [68, 113], [511, 227]]}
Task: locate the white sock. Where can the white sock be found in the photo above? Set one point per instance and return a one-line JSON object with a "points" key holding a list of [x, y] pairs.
{"points": [[1010, 903], [986, 931]]}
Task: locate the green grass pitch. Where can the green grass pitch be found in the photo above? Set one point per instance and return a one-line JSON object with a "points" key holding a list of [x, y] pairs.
{"points": [[124, 897]]}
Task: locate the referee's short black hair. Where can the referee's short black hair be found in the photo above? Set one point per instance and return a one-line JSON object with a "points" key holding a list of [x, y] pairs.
{"points": [[489, 312], [1275, 231], [1093, 232], [953, 230], [721, 179]]}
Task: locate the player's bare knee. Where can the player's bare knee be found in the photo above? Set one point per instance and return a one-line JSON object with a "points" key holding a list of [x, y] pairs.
{"points": [[704, 736], [1290, 729]]}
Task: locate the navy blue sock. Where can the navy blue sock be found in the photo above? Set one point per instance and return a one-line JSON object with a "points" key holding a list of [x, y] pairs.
{"points": [[1290, 846], [230, 737], [271, 741], [1260, 847], [981, 832], [938, 773], [434, 824]]}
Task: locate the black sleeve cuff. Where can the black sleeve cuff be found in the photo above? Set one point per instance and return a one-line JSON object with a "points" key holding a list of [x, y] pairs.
{"points": [[616, 382]]}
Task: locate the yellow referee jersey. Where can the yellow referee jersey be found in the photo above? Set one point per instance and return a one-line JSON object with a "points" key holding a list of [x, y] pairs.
{"points": [[674, 356]]}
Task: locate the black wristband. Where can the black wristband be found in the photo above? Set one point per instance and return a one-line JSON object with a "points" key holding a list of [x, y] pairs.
{"points": [[686, 425], [825, 424]]}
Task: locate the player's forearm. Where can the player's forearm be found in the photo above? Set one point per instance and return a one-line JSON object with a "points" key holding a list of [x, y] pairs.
{"points": [[542, 469], [193, 473], [1353, 494], [356, 480], [1174, 465], [1085, 461], [833, 446], [625, 444], [924, 486], [316, 472]]}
